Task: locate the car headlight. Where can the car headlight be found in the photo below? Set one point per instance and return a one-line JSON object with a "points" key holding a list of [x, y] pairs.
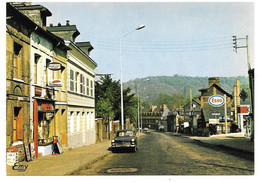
{"points": [[113, 141], [132, 140]]}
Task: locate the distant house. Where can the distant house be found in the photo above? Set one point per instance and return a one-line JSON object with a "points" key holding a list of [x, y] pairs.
{"points": [[192, 116], [153, 117]]}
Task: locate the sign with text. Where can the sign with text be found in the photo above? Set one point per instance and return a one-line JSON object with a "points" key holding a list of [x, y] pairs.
{"points": [[54, 66], [216, 100], [55, 83]]}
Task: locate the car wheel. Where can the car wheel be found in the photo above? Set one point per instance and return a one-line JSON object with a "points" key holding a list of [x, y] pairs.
{"points": [[135, 149]]}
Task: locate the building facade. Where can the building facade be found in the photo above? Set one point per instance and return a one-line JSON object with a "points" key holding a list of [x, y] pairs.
{"points": [[18, 32], [80, 87]]}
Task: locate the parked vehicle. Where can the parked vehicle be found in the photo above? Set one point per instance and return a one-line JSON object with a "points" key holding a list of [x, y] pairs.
{"points": [[124, 139], [146, 130]]}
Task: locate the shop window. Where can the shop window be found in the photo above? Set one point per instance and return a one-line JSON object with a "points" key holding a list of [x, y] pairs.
{"points": [[17, 60], [44, 120], [71, 80], [36, 61], [17, 124]]}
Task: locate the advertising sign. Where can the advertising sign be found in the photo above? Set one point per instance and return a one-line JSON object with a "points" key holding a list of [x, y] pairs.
{"points": [[55, 83], [54, 66], [216, 100]]}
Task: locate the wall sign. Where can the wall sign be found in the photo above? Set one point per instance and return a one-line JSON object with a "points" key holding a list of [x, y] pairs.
{"points": [[55, 83], [54, 66], [216, 100], [38, 91]]}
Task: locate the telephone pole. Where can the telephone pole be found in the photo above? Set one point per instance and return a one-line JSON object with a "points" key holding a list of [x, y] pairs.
{"points": [[251, 81]]}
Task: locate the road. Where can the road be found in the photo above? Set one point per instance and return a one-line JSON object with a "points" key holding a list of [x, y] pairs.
{"points": [[166, 154]]}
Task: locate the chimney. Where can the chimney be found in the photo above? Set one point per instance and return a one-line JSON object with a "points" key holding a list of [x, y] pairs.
{"points": [[214, 80], [238, 91], [235, 103], [153, 107]]}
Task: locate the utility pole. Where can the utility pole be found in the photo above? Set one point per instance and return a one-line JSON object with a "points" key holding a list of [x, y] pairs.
{"points": [[190, 99], [251, 81], [225, 113]]}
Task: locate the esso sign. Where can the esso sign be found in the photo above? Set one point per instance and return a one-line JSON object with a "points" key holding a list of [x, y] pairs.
{"points": [[216, 100]]}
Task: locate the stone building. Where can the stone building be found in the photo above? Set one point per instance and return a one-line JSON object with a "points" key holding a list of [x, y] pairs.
{"points": [[153, 117], [18, 32], [80, 81]]}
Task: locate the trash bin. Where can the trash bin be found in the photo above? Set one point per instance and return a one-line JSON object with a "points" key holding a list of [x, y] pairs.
{"points": [[11, 156]]}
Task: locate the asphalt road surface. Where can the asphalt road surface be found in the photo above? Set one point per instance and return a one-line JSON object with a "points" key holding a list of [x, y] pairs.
{"points": [[166, 154]]}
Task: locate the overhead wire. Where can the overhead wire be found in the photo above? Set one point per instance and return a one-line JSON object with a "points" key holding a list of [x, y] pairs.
{"points": [[167, 46]]}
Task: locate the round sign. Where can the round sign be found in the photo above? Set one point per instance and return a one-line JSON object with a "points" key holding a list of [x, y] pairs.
{"points": [[216, 100]]}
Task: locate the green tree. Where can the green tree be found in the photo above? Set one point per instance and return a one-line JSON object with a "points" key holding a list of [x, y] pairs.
{"points": [[108, 95]]}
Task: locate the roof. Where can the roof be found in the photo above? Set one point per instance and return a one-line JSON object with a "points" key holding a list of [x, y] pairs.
{"points": [[218, 87], [85, 44], [11, 10], [63, 28], [44, 10]]}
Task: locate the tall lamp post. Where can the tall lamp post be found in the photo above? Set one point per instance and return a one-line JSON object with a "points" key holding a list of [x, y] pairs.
{"points": [[138, 107], [121, 77], [141, 113]]}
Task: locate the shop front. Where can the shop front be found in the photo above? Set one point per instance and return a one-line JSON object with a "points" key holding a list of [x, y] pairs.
{"points": [[44, 126]]}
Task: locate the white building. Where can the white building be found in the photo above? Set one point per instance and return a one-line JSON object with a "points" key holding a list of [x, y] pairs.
{"points": [[80, 87]]}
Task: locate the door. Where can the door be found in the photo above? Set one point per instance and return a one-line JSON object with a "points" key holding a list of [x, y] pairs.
{"points": [[17, 124]]}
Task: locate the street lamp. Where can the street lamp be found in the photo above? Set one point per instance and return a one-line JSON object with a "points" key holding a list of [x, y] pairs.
{"points": [[121, 77], [141, 113], [138, 107]]}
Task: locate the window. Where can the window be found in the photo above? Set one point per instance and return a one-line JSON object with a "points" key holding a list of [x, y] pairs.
{"points": [[91, 88], [82, 84], [76, 81], [17, 60], [88, 120], [78, 121], [71, 122], [47, 71], [36, 61], [87, 86], [71, 80], [92, 120]]}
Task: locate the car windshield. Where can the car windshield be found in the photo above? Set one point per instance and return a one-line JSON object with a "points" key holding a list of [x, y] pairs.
{"points": [[125, 133]]}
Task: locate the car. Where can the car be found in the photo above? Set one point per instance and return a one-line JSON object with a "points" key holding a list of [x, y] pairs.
{"points": [[146, 130], [125, 139]]}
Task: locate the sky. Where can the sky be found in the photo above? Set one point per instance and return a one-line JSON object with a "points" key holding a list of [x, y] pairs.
{"points": [[184, 38]]}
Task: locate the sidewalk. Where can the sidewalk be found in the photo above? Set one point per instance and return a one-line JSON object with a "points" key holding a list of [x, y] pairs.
{"points": [[65, 163], [69, 161], [233, 141]]}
